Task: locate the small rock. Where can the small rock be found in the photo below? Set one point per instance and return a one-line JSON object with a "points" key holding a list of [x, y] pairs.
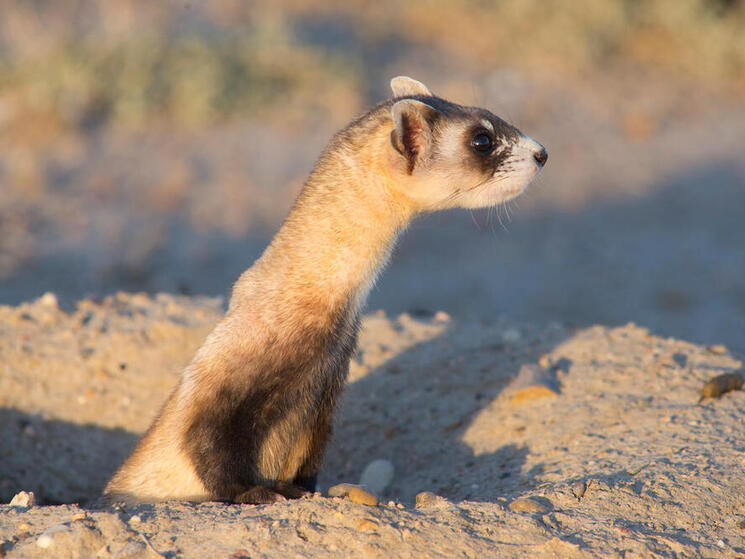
{"points": [[527, 505], [46, 540], [532, 382], [49, 299], [340, 490], [545, 361], [355, 493], [366, 525], [23, 499], [578, 489], [442, 316], [529, 393], [550, 521], [425, 498], [362, 497], [377, 476], [718, 349], [721, 385], [23, 527], [741, 524]]}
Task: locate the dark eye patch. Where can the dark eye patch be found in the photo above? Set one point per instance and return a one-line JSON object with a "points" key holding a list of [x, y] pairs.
{"points": [[482, 142]]}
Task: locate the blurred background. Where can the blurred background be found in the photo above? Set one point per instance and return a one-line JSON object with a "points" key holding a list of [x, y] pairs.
{"points": [[157, 146]]}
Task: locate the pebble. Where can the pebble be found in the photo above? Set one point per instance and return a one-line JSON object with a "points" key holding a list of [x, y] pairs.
{"points": [[529, 393], [442, 316], [578, 489], [23, 499], [718, 349], [46, 540], [425, 498], [355, 494], [365, 525], [377, 475], [362, 497], [533, 382], [49, 299], [720, 385], [527, 505], [340, 490]]}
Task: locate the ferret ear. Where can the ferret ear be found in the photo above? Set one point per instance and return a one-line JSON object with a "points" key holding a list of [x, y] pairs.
{"points": [[412, 130], [404, 86]]}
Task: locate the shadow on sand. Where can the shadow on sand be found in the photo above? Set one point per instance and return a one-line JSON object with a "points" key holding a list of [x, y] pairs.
{"points": [[412, 409], [61, 462]]}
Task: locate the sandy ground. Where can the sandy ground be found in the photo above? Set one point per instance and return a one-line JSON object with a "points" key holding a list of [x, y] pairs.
{"points": [[609, 447], [638, 216]]}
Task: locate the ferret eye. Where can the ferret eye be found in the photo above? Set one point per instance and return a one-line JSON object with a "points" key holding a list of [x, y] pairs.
{"points": [[481, 143]]}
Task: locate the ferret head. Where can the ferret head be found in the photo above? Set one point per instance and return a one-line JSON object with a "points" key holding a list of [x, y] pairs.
{"points": [[448, 155]]}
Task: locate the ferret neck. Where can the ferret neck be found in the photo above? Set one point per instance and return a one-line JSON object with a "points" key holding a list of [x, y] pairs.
{"points": [[338, 236]]}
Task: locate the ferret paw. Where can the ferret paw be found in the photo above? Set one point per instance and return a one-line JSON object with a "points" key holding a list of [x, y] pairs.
{"points": [[262, 495], [259, 495], [290, 490]]}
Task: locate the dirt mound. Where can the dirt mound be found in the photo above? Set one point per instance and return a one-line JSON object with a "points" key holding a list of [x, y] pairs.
{"points": [[539, 441]]}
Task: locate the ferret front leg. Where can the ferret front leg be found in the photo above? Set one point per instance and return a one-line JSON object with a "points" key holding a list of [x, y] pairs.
{"points": [[307, 476], [309, 483]]}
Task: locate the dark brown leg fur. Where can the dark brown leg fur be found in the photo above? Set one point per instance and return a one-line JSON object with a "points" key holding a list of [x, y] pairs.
{"points": [[307, 476], [308, 483], [225, 437], [290, 490], [259, 495]]}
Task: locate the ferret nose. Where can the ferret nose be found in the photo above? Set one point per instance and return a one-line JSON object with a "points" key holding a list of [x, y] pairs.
{"points": [[541, 157]]}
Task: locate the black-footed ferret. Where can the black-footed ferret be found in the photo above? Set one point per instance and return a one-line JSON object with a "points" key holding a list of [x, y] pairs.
{"points": [[251, 415]]}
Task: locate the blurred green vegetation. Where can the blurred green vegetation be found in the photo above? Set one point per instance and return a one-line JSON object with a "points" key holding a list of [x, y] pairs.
{"points": [[243, 58], [187, 78]]}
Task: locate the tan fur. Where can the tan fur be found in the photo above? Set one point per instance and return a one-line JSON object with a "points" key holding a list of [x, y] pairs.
{"points": [[170, 476], [293, 314]]}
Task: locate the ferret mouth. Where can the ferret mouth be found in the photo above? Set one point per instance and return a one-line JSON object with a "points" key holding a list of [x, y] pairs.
{"points": [[509, 182]]}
